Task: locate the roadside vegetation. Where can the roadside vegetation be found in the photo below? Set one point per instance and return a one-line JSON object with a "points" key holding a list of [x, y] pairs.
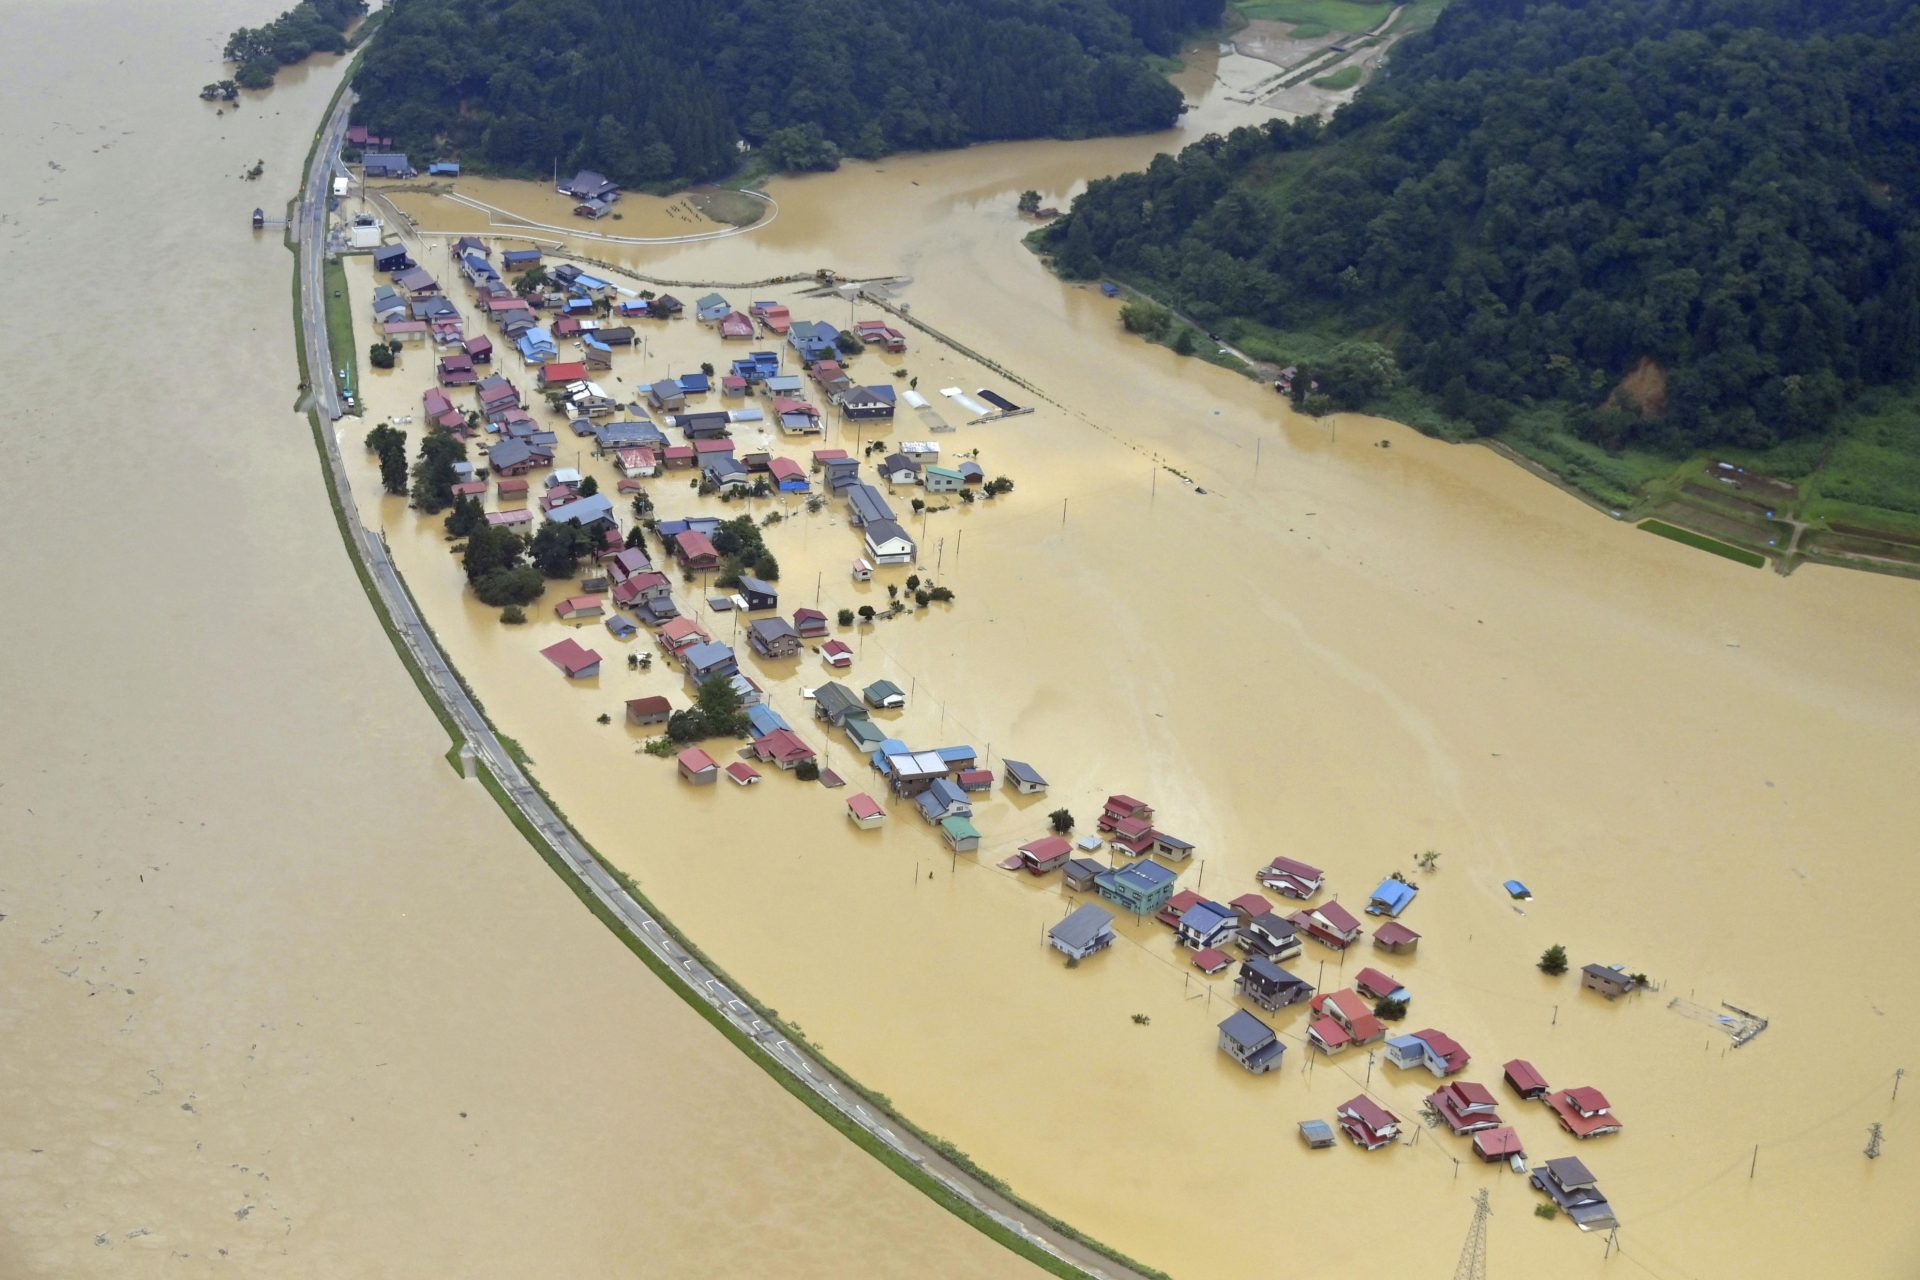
{"points": [[310, 27]]}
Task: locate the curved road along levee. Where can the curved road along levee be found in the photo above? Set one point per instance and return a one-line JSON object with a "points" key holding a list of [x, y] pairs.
{"points": [[310, 227]]}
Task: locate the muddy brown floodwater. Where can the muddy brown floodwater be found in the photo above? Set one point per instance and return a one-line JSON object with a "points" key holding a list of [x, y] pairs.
{"points": [[279, 994], [1356, 645]]}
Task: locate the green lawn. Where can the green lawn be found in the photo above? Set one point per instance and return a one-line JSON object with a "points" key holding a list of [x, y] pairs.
{"points": [[1750, 558], [1344, 78], [346, 352], [1338, 15]]}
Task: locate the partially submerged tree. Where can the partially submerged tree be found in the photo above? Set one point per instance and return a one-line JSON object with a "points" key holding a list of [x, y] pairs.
{"points": [[1062, 821], [1553, 960]]}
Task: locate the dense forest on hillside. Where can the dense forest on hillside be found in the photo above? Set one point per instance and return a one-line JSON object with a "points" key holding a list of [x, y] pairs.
{"points": [[667, 88], [312, 26], [1536, 198]]}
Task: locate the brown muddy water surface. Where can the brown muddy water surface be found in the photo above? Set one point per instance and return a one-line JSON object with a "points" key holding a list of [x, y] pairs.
{"points": [[1357, 645], [279, 994]]}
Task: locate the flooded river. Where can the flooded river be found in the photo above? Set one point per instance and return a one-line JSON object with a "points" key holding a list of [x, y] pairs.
{"points": [[1357, 645], [278, 984], [279, 994]]}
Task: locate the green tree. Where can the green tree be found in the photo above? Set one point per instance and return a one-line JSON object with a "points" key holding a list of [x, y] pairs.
{"points": [[557, 548], [433, 475], [846, 617], [588, 487], [847, 342], [465, 516], [380, 355], [1029, 201], [1139, 315], [490, 549], [765, 566], [510, 586], [1553, 961], [719, 704], [1061, 821], [1185, 342]]}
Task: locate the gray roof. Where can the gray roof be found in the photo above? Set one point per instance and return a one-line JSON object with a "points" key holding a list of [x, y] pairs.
{"points": [[1269, 973], [879, 531], [1082, 926], [836, 699], [1246, 1030], [868, 504], [586, 510], [759, 586], [1024, 771], [771, 629], [511, 453]]}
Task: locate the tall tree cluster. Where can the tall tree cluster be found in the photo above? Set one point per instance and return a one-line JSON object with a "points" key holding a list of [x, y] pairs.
{"points": [[669, 88], [1539, 195]]}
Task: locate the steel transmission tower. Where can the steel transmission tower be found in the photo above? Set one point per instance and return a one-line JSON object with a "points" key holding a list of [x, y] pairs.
{"points": [[1473, 1254]]}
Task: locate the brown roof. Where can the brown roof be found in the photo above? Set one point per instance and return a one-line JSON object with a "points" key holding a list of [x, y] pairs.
{"points": [[648, 706]]}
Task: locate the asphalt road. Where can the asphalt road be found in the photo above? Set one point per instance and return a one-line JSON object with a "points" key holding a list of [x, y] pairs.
{"points": [[372, 550]]}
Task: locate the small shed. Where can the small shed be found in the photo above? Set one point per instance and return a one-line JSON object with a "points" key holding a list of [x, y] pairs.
{"points": [[961, 834], [1395, 938], [654, 710], [1317, 1134], [1609, 980], [1524, 1079], [1080, 873], [1023, 777], [1211, 960], [742, 773], [884, 693], [864, 811], [697, 767]]}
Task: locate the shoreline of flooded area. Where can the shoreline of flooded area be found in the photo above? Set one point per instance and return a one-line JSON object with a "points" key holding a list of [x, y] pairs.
{"points": [[1355, 646]]}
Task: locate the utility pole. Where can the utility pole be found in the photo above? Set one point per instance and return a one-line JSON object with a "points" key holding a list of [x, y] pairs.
{"points": [[1896, 1083], [1473, 1254]]}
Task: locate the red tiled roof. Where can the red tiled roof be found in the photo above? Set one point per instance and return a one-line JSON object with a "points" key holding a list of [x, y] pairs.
{"points": [[1497, 1144], [1329, 1032], [1393, 933], [1580, 1126], [742, 772], [695, 760], [570, 656], [1047, 847], [693, 543], [1587, 1098], [782, 744], [862, 805], [1523, 1076], [1374, 982], [1211, 960], [1290, 867], [1449, 1049], [1251, 904], [1337, 917], [1368, 1112], [648, 706]]}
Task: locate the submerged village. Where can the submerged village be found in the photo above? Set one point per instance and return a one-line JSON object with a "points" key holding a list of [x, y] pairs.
{"points": [[541, 368]]}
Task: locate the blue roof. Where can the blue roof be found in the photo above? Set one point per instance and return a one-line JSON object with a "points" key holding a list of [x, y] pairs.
{"points": [[1408, 1044], [586, 281], [1391, 898], [887, 747], [586, 510], [1516, 889], [1205, 917], [692, 524], [764, 720], [595, 343], [1141, 876], [1023, 771], [621, 625], [707, 654], [950, 754], [692, 382]]}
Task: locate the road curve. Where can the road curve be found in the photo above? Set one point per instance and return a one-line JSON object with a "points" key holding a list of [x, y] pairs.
{"points": [[691, 974]]}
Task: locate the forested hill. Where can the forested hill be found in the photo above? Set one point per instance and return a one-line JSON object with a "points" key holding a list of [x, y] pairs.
{"points": [[645, 90], [1538, 196]]}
